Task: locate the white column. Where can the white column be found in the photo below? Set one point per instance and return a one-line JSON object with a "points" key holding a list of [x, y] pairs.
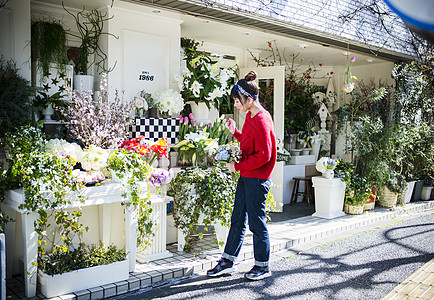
{"points": [[30, 243]]}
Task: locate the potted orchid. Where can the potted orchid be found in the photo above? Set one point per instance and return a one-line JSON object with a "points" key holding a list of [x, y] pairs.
{"points": [[348, 85], [326, 166]]}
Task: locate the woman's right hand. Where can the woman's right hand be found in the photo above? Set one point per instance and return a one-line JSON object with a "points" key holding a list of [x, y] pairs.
{"points": [[232, 125]]}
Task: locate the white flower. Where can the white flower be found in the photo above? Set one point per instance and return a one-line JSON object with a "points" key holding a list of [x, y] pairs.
{"points": [[169, 101], [195, 88], [196, 136], [140, 103], [212, 146], [320, 165], [94, 158]]}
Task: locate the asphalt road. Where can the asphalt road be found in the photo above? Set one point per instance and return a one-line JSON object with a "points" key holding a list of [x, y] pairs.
{"points": [[366, 264]]}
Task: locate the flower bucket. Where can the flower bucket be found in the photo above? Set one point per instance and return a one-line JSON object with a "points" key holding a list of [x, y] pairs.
{"points": [[353, 209], [406, 195], [388, 198]]}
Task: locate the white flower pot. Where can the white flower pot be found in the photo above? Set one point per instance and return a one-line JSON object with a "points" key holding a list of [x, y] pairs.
{"points": [[329, 174], [200, 111], [406, 195], [426, 193], [78, 280], [83, 83]]}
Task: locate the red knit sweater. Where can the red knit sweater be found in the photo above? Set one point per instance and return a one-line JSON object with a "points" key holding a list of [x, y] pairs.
{"points": [[258, 146]]}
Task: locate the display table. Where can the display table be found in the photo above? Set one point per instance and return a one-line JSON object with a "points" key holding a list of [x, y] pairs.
{"points": [[329, 197], [24, 243]]}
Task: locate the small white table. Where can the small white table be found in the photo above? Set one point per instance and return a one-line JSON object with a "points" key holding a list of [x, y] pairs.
{"points": [[329, 197], [103, 196]]}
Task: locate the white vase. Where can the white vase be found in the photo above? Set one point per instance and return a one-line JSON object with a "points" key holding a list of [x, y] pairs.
{"points": [[83, 83], [200, 111], [329, 174], [348, 87], [48, 112]]}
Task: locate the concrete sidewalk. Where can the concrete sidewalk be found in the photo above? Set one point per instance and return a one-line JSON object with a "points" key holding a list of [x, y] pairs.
{"points": [[284, 235]]}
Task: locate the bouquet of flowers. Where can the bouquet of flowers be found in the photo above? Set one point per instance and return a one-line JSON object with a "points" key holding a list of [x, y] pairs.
{"points": [[228, 153], [169, 102], [160, 178], [151, 150], [141, 105], [325, 163]]}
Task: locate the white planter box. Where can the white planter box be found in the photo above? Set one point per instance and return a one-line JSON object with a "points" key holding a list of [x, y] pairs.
{"points": [[302, 160], [52, 286]]}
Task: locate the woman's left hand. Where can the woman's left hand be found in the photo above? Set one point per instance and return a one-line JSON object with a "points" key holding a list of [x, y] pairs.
{"points": [[231, 166]]}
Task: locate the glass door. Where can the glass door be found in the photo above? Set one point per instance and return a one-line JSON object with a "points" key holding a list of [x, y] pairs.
{"points": [[267, 77]]}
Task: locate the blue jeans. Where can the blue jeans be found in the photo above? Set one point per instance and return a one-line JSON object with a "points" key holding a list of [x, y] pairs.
{"points": [[249, 204]]}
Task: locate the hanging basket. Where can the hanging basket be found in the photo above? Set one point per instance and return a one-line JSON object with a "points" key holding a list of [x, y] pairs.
{"points": [[388, 198], [353, 209]]}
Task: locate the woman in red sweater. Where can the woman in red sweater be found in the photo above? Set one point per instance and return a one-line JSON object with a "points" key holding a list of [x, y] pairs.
{"points": [[258, 146]]}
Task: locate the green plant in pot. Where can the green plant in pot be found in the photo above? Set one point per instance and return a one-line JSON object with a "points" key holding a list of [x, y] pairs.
{"points": [[357, 189], [197, 191], [43, 102], [49, 45]]}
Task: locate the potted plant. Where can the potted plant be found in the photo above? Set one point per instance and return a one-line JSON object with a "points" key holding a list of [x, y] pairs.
{"points": [[206, 194], [90, 27], [49, 45], [204, 82], [44, 103]]}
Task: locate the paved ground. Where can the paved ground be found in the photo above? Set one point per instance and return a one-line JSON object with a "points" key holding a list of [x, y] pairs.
{"points": [[366, 264], [288, 234]]}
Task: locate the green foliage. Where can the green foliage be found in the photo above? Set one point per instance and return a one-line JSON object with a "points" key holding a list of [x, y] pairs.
{"points": [[210, 191], [49, 45], [131, 168], [15, 97], [412, 99], [357, 189], [48, 185], [83, 257]]}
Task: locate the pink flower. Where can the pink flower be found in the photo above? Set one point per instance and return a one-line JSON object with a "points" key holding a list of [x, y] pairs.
{"points": [[181, 119], [194, 123], [186, 120], [191, 116], [353, 59]]}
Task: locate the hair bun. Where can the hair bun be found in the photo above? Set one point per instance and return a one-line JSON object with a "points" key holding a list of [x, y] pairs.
{"points": [[251, 76]]}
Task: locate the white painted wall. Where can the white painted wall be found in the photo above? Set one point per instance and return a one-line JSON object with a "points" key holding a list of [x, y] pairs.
{"points": [[15, 35], [147, 42]]}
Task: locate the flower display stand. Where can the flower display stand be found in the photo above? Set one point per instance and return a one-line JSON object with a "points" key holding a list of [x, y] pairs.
{"points": [[157, 248], [60, 284], [102, 196], [329, 197]]}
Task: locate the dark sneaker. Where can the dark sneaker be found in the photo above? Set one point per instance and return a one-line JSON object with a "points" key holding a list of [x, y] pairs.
{"points": [[257, 273], [224, 266]]}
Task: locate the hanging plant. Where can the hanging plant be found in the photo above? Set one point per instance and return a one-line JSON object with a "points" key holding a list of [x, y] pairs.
{"points": [[49, 45], [348, 85], [90, 27]]}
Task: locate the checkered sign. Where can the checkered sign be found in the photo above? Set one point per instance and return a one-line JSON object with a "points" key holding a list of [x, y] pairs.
{"points": [[154, 129]]}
